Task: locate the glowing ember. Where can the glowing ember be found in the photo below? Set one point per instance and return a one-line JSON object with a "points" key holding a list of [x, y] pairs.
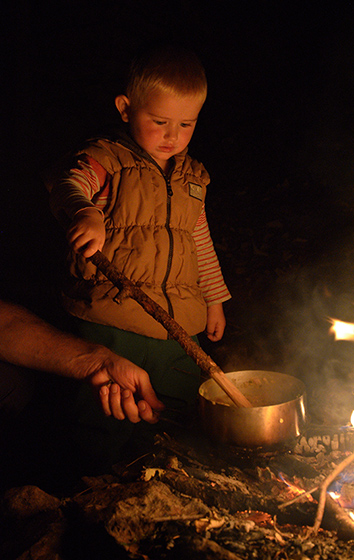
{"points": [[292, 489], [342, 330]]}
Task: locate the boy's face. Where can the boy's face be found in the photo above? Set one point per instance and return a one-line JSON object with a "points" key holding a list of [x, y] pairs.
{"points": [[164, 126]]}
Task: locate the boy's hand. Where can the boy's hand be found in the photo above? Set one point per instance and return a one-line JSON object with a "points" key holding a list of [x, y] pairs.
{"points": [[216, 322], [87, 232]]}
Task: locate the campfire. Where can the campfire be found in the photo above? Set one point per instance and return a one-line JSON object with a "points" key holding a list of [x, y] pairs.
{"points": [[195, 497], [189, 497], [182, 501]]}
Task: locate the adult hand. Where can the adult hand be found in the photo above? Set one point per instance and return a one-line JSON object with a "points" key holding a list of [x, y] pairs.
{"points": [[125, 391], [87, 233]]}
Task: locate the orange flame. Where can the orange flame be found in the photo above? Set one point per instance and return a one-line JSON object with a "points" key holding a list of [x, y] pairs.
{"points": [[293, 490], [341, 330]]}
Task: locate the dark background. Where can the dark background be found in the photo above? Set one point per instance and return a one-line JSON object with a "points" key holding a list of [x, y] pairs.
{"points": [[276, 134], [277, 74]]}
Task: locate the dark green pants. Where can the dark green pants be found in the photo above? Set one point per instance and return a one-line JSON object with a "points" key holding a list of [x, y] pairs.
{"points": [[173, 374]]}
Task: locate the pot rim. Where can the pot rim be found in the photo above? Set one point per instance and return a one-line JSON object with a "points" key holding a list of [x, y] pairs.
{"points": [[299, 388]]}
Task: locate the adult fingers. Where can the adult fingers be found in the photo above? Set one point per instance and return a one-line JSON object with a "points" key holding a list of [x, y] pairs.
{"points": [[104, 398], [148, 394], [121, 404], [147, 413], [115, 401], [130, 408]]}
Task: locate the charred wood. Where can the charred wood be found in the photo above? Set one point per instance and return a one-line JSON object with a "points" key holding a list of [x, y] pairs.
{"points": [[335, 518]]}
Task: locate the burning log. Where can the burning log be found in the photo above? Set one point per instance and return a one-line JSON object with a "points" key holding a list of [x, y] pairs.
{"points": [[323, 491], [129, 289], [334, 518]]}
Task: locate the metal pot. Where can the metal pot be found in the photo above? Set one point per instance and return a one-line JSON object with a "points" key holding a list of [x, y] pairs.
{"points": [[277, 416]]}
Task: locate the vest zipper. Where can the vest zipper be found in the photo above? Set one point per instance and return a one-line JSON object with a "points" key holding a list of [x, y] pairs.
{"points": [[171, 247], [170, 236], [168, 217]]}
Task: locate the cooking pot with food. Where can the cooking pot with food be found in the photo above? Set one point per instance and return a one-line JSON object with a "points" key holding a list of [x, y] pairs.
{"points": [[277, 416]]}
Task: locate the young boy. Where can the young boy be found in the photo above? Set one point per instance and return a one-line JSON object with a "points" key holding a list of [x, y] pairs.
{"points": [[139, 198]]}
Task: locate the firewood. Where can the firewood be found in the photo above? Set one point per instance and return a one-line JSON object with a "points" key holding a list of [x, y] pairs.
{"points": [[174, 329], [323, 492], [336, 518]]}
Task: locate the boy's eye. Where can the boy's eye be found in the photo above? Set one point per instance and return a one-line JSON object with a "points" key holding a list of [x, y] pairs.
{"points": [[160, 122], [185, 125]]}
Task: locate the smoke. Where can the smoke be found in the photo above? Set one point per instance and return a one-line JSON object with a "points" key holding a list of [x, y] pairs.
{"points": [[282, 324]]}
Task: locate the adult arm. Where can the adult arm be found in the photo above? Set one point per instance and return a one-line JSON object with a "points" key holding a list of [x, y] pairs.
{"points": [[28, 341]]}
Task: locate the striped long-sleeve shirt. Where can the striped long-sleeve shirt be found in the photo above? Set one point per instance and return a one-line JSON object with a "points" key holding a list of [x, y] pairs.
{"points": [[89, 185]]}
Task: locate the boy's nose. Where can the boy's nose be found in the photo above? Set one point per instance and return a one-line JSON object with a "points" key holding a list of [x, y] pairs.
{"points": [[171, 133]]}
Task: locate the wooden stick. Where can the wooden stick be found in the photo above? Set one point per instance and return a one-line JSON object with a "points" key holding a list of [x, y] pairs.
{"points": [[129, 289], [323, 493], [297, 498]]}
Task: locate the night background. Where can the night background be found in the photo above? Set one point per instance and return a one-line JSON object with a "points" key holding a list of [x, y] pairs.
{"points": [[276, 135]]}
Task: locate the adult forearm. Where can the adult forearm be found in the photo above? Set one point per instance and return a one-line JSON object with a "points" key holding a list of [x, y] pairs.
{"points": [[28, 341]]}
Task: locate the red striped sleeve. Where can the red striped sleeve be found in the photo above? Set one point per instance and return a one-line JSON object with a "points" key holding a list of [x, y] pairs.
{"points": [[86, 184], [91, 178], [211, 279]]}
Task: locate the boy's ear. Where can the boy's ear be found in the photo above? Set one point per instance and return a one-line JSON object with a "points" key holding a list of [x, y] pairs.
{"points": [[122, 104]]}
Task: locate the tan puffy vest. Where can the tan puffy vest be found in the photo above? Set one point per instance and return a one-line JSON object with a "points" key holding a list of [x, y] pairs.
{"points": [[149, 239]]}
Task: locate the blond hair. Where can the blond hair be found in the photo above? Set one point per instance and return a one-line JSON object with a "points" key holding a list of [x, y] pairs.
{"points": [[170, 69]]}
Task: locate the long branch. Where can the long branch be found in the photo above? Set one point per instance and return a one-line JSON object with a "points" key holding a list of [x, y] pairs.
{"points": [[129, 289]]}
